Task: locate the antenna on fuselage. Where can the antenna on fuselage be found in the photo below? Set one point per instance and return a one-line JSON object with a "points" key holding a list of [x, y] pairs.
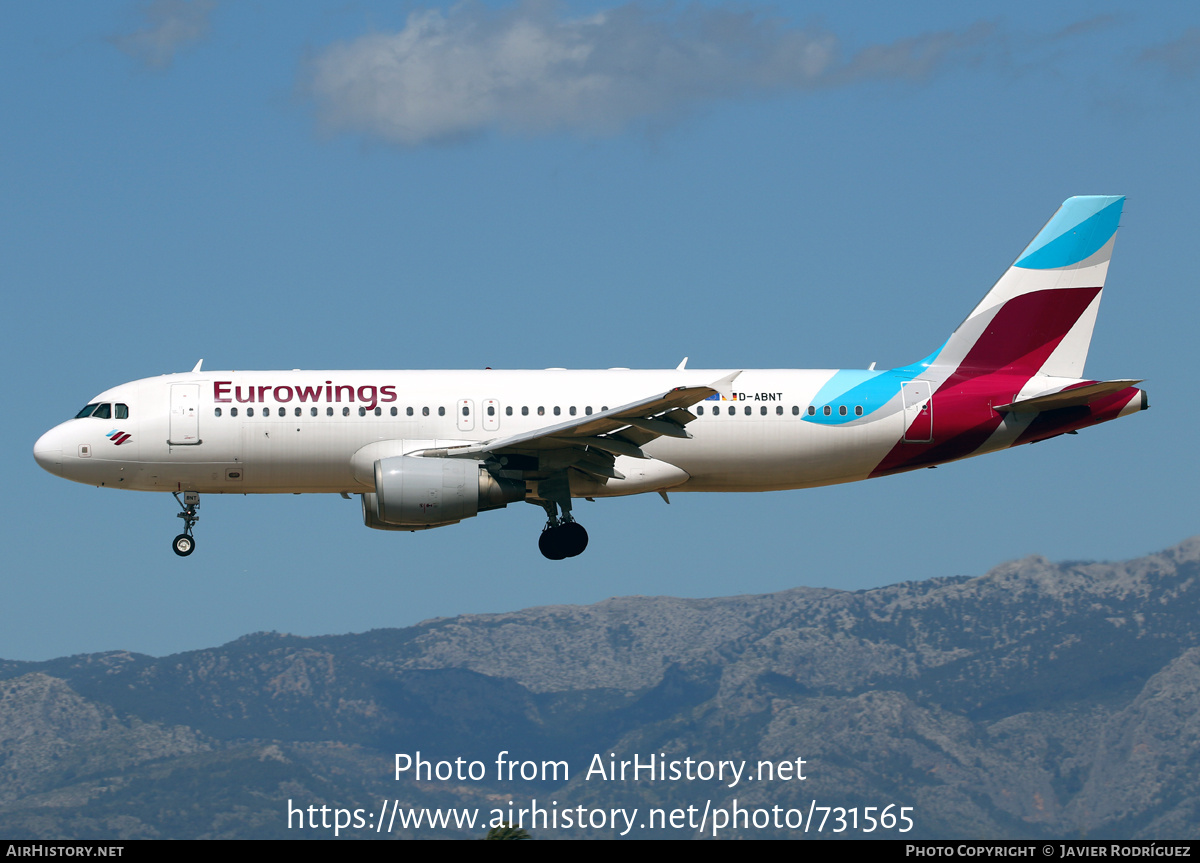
{"points": [[200, 363], [682, 365]]}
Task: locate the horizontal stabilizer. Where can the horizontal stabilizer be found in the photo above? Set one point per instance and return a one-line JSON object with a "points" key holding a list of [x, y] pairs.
{"points": [[1067, 398]]}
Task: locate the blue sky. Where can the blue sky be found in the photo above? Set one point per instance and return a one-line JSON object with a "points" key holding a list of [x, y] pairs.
{"points": [[385, 185]]}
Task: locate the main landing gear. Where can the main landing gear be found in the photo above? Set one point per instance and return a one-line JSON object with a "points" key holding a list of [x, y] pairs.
{"points": [[562, 536], [565, 538], [185, 543]]}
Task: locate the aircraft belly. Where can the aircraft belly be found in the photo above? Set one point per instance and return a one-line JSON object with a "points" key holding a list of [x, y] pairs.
{"points": [[769, 454]]}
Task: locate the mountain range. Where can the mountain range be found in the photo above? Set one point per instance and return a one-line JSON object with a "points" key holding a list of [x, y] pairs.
{"points": [[1041, 700]]}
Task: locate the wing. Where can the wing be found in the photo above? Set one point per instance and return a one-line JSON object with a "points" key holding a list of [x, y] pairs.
{"points": [[591, 443]]}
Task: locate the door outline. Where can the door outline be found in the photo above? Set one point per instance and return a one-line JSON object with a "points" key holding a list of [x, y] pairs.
{"points": [[491, 421], [185, 415], [465, 414], [918, 411]]}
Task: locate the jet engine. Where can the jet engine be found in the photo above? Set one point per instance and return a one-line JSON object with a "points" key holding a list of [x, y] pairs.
{"points": [[414, 493]]}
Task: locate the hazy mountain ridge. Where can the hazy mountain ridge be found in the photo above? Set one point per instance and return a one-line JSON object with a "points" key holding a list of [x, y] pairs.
{"points": [[1037, 700]]}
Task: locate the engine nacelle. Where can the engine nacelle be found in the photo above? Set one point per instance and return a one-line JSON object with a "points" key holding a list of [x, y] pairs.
{"points": [[414, 493]]}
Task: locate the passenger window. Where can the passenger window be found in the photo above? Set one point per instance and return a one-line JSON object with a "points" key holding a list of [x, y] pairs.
{"points": [[557, 411], [122, 412], [233, 412], [312, 412], [541, 411], [795, 410], [572, 410], [408, 412], [283, 412], [394, 412], [826, 410], [441, 412], [424, 412], [779, 410], [217, 412], [748, 410], [362, 412], [604, 408], [378, 412], [732, 410], [491, 411], [841, 410], [700, 411], [249, 412], [345, 412], [588, 410], [524, 411], [466, 411], [858, 410], [299, 411], [763, 410], [508, 411], [328, 412]]}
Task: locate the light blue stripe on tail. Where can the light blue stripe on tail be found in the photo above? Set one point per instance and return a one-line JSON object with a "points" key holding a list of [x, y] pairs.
{"points": [[1078, 230]]}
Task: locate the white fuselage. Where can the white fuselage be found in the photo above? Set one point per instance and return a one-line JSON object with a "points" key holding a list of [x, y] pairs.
{"points": [[300, 431]]}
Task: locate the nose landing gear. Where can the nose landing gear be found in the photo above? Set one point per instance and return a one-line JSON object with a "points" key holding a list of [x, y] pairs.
{"points": [[185, 543]]}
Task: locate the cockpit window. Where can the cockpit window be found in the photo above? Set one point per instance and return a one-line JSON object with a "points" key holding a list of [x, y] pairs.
{"points": [[104, 411]]}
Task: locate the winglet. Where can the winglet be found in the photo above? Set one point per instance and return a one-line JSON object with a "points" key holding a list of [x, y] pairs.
{"points": [[197, 368], [724, 386]]}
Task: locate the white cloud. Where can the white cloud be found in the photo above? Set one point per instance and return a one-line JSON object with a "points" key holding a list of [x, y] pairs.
{"points": [[1180, 57], [169, 26], [534, 69]]}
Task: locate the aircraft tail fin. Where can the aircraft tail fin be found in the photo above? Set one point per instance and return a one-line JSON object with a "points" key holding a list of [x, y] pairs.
{"points": [[1038, 318]]}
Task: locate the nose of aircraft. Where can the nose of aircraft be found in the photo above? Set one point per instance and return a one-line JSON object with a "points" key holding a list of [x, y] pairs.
{"points": [[48, 452]]}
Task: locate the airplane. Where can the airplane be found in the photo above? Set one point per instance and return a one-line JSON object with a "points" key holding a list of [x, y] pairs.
{"points": [[425, 449]]}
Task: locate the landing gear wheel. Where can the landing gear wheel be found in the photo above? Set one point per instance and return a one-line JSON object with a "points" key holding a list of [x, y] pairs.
{"points": [[183, 545], [550, 545], [573, 538], [568, 539]]}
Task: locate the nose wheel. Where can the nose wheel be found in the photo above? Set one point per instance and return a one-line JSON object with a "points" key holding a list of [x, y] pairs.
{"points": [[185, 543]]}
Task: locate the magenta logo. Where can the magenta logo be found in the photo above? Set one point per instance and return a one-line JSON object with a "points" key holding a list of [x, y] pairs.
{"points": [[117, 436]]}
